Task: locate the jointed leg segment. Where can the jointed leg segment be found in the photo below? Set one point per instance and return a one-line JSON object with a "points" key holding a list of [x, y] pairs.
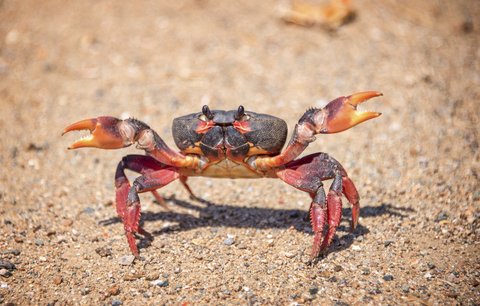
{"points": [[307, 175], [155, 175]]}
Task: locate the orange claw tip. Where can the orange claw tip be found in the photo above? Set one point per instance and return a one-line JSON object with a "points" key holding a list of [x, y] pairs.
{"points": [[87, 124], [360, 97], [86, 141]]}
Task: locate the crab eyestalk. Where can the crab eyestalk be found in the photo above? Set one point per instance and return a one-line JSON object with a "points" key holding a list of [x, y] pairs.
{"points": [[106, 133], [342, 114]]}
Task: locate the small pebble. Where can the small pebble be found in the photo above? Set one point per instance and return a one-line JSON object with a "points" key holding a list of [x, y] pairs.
{"points": [[61, 238], [160, 283], [152, 276], [39, 242], [5, 273], [85, 291], [13, 251], [388, 277], [7, 265], [337, 268], [356, 248], [452, 294], [375, 291], [313, 290], [67, 222], [428, 275], [405, 288], [441, 216], [386, 243], [290, 254], [89, 210], [126, 260], [114, 290], [103, 251], [116, 303], [57, 280], [229, 241], [147, 294], [42, 258], [18, 239]]}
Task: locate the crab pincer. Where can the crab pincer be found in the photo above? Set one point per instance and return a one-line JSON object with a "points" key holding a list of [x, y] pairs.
{"points": [[342, 113], [105, 132]]}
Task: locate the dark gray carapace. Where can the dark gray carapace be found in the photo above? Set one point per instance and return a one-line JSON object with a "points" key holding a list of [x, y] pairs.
{"points": [[266, 133]]}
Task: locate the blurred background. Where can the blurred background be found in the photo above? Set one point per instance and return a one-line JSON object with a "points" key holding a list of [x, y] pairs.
{"points": [[417, 166]]}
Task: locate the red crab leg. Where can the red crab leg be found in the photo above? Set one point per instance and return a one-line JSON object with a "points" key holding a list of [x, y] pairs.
{"points": [[307, 175], [351, 193], [338, 115], [128, 202], [144, 164], [113, 133], [334, 208], [318, 219], [141, 164]]}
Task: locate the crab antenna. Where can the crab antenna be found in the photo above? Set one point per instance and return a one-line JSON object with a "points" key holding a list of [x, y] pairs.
{"points": [[207, 112]]}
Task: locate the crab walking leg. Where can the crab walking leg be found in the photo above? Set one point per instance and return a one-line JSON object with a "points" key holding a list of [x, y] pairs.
{"points": [[183, 180], [318, 216], [112, 133], [334, 209], [138, 163], [338, 115], [141, 164], [130, 211], [351, 193], [307, 174]]}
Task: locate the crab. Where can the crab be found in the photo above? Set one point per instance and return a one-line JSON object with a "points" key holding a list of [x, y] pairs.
{"points": [[233, 144]]}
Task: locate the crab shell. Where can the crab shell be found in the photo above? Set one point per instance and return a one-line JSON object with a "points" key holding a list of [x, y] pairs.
{"points": [[226, 138]]}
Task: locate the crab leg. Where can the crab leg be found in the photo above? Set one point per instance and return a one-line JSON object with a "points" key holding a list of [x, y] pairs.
{"points": [[113, 133], [128, 202], [144, 164], [307, 175], [318, 219], [334, 208], [338, 115], [351, 193]]}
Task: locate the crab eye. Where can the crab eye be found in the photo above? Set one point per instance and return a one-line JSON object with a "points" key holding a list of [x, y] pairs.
{"points": [[207, 113], [240, 115]]}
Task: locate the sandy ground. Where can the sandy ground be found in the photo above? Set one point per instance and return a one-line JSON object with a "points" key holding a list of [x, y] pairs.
{"points": [[417, 166]]}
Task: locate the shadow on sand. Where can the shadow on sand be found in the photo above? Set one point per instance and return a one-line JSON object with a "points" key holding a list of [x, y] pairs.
{"points": [[222, 215]]}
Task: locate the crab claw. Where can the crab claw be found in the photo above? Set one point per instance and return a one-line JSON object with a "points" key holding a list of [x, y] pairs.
{"points": [[106, 133], [342, 113]]}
